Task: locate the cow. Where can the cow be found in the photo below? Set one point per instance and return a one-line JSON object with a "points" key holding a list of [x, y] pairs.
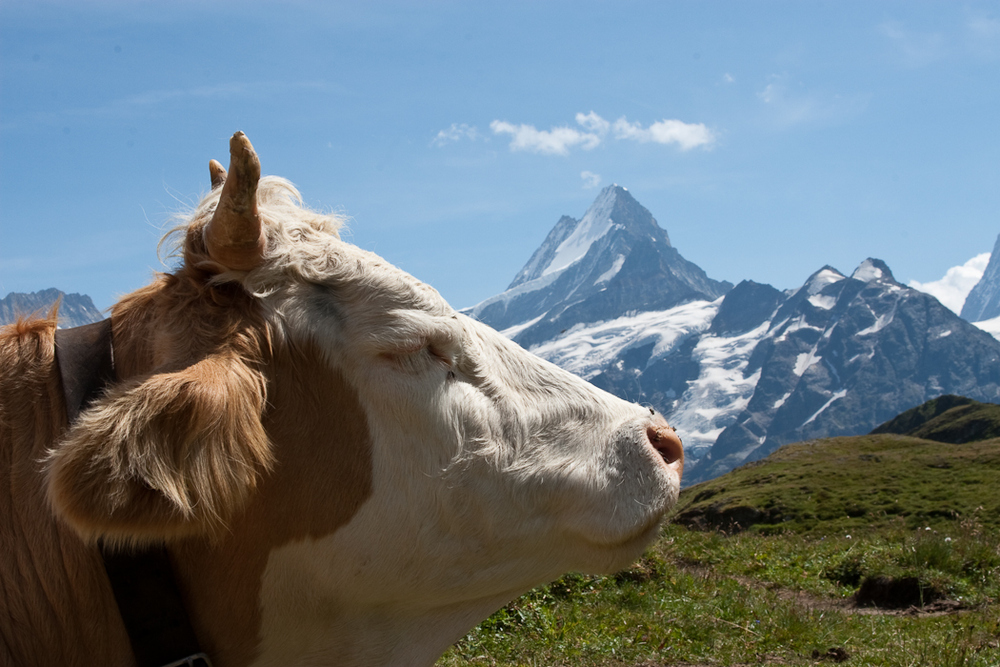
{"points": [[342, 469]]}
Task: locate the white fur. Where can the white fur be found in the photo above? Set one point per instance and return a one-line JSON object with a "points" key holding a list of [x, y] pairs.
{"points": [[493, 470]]}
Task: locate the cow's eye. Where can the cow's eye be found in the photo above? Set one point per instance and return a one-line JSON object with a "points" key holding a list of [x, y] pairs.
{"points": [[420, 358], [439, 355]]}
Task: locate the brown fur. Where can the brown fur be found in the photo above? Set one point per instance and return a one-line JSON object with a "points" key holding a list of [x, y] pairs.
{"points": [[177, 447], [214, 441], [53, 591]]}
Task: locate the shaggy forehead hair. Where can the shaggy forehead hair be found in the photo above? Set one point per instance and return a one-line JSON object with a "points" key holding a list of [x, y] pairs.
{"points": [[303, 245], [299, 240]]}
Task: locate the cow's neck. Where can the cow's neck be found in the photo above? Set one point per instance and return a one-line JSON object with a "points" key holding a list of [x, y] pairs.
{"points": [[317, 426], [56, 606]]}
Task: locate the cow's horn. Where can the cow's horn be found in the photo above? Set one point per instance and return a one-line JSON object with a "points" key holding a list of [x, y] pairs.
{"points": [[234, 236], [217, 172]]}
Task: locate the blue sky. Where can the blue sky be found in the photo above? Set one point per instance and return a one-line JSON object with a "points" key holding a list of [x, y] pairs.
{"points": [[768, 138]]}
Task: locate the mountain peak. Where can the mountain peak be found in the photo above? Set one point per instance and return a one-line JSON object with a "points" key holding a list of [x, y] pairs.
{"points": [[873, 269], [614, 260], [826, 276], [570, 240]]}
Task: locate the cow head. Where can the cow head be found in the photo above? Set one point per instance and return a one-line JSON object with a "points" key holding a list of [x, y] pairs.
{"points": [[378, 457]]}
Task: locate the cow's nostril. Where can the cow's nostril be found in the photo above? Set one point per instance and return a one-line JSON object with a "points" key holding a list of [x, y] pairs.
{"points": [[665, 440]]}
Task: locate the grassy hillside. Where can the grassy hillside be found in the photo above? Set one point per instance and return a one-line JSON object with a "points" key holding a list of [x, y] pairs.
{"points": [[840, 485], [953, 419], [813, 537]]}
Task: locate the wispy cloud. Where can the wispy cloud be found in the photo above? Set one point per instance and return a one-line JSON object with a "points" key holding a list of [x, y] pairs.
{"points": [[590, 179], [978, 37], [142, 102], [914, 48], [984, 36], [593, 130], [958, 281], [456, 132], [792, 105], [593, 122]]}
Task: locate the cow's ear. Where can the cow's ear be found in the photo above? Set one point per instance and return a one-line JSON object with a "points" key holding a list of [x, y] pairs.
{"points": [[168, 455]]}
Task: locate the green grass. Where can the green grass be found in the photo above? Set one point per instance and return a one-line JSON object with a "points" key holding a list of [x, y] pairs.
{"points": [[840, 485], [708, 598], [837, 512]]}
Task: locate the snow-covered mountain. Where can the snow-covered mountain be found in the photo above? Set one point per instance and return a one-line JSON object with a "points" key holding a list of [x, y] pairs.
{"points": [[841, 355], [741, 374], [74, 309], [613, 261], [983, 302]]}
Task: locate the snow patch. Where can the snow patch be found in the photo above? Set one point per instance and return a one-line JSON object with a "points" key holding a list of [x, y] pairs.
{"points": [[510, 332], [822, 301], [588, 349], [867, 272], [839, 395], [797, 324], [823, 278], [613, 271], [881, 322], [715, 399], [804, 361]]}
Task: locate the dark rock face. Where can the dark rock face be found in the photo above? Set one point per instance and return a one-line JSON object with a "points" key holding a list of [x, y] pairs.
{"points": [[746, 307], [615, 260], [844, 355], [74, 309], [983, 302]]}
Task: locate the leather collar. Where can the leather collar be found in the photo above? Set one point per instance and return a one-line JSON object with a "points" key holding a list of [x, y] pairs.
{"points": [[142, 579]]}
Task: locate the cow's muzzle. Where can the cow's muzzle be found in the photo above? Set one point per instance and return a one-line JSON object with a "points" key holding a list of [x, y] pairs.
{"points": [[664, 439]]}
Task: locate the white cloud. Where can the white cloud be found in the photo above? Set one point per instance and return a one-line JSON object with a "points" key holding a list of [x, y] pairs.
{"points": [[992, 327], [556, 141], [958, 281], [595, 129], [728, 78], [685, 135], [590, 179], [456, 132], [593, 122]]}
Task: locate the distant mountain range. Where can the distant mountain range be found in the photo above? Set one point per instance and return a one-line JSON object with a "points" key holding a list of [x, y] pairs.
{"points": [[74, 309], [740, 370]]}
